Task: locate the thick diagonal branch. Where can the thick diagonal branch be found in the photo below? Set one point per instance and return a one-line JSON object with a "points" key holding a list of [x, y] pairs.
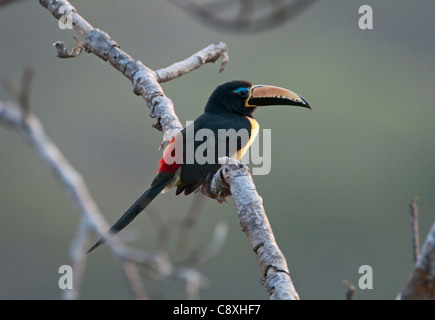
{"points": [[234, 178], [421, 284]]}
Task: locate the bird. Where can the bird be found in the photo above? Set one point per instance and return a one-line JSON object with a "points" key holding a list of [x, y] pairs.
{"points": [[229, 108]]}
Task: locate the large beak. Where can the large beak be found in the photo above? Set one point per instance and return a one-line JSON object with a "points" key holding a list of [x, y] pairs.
{"points": [[268, 95]]}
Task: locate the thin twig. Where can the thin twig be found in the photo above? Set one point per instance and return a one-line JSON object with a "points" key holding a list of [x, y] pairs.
{"points": [[188, 223], [414, 229], [78, 259], [132, 275], [93, 221], [62, 51], [145, 81], [21, 93], [209, 54], [33, 132]]}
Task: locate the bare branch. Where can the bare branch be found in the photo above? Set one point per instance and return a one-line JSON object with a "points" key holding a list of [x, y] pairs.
{"points": [[414, 229], [215, 245], [12, 88], [91, 218], [162, 226], [188, 223], [33, 132], [93, 221], [131, 273], [26, 84], [5, 2], [209, 54], [21, 93], [350, 293], [421, 284], [79, 24], [275, 274]]}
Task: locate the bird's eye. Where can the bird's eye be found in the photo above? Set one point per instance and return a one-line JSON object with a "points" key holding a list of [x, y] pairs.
{"points": [[243, 92]]}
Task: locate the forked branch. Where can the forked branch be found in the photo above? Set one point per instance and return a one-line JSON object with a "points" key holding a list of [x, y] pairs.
{"points": [[233, 178]]}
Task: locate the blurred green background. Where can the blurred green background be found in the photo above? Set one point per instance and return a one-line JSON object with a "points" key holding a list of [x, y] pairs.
{"points": [[342, 175]]}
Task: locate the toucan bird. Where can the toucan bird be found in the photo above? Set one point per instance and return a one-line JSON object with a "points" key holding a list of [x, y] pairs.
{"points": [[230, 106]]}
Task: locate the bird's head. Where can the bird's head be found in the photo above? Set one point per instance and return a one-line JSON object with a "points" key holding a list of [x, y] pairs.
{"points": [[243, 98]]}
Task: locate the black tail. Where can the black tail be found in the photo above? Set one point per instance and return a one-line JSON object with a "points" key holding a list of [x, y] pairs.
{"points": [[159, 183]]}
